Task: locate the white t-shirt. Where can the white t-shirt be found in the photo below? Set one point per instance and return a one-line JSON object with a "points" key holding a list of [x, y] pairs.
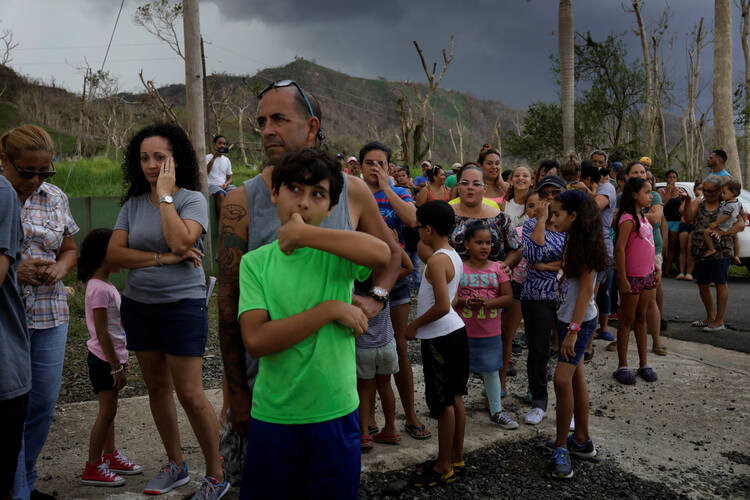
{"points": [[426, 299], [221, 169]]}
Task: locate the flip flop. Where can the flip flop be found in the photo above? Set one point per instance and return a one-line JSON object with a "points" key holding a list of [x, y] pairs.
{"points": [[699, 323], [365, 442], [372, 429], [383, 438], [417, 431]]}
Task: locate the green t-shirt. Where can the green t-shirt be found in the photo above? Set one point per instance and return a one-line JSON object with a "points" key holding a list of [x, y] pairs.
{"points": [[451, 181], [316, 380]]}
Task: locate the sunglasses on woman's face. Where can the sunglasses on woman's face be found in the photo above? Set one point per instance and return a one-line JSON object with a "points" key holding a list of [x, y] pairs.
{"points": [[30, 174]]}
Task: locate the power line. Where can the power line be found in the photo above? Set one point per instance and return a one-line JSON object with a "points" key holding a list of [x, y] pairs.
{"points": [[65, 47], [112, 35], [175, 58]]}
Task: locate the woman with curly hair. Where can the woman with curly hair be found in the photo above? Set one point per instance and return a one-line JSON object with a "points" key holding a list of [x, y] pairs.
{"points": [[577, 214], [159, 237]]}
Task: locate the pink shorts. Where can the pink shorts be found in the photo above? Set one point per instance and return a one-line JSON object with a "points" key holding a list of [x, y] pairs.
{"points": [[639, 284]]}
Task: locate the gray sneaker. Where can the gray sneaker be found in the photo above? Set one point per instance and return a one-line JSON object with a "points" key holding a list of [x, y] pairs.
{"points": [[503, 420], [170, 476], [211, 489]]}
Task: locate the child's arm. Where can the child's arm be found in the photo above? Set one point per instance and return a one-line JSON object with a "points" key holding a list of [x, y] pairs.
{"points": [[623, 234], [585, 290], [262, 336], [406, 266], [355, 246], [437, 274], [105, 342], [504, 298], [542, 212], [718, 221]]}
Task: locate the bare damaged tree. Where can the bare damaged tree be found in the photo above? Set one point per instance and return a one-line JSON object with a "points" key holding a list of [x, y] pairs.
{"points": [[692, 128], [219, 107], [166, 110], [745, 9], [8, 44], [648, 106], [414, 130], [159, 18]]}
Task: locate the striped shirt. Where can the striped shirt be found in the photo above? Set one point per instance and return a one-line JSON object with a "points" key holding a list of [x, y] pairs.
{"points": [[46, 220], [540, 285]]}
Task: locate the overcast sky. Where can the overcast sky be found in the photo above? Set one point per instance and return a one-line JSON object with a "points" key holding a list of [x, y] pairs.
{"points": [[502, 48]]}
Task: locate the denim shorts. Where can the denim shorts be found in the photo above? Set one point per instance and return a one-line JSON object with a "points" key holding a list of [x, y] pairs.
{"points": [[401, 292], [100, 374], [712, 271], [177, 328], [373, 361], [587, 330]]}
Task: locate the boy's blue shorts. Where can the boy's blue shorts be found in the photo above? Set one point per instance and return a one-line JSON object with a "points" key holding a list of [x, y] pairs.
{"points": [[319, 460]]}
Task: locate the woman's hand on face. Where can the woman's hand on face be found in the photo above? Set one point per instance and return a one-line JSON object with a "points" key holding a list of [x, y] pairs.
{"points": [[542, 209], [165, 183], [30, 271]]}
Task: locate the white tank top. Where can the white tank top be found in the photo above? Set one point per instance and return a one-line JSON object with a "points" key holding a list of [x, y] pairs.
{"points": [[426, 299]]}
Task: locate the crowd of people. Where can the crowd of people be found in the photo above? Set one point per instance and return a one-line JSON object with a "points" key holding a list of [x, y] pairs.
{"points": [[320, 261]]}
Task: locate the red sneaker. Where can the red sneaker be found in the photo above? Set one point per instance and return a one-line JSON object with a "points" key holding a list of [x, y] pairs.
{"points": [[97, 474], [120, 464]]}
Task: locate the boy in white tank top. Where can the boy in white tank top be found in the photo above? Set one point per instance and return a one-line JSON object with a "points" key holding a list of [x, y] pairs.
{"points": [[444, 345]]}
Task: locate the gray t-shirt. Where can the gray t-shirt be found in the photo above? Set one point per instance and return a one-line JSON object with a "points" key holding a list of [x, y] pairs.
{"points": [[607, 190], [732, 209], [15, 361], [569, 294], [169, 283]]}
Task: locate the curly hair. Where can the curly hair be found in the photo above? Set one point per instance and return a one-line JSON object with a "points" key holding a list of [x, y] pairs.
{"points": [[186, 163], [584, 244], [93, 252], [627, 203]]}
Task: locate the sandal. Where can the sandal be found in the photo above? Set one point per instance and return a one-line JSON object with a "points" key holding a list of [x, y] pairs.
{"points": [[384, 438], [659, 350], [372, 429], [366, 443], [699, 323], [417, 431], [429, 478], [459, 468]]}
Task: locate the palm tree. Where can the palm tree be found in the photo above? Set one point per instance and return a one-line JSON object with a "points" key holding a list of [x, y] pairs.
{"points": [[567, 66], [724, 137]]}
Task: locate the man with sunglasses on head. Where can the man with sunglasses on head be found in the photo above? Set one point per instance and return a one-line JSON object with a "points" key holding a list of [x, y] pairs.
{"points": [[289, 121]]}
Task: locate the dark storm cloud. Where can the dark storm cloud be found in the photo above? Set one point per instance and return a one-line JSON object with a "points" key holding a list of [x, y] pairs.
{"points": [[502, 47]]}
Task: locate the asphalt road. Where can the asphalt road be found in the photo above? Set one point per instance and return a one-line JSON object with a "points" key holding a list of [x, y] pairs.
{"points": [[682, 306]]}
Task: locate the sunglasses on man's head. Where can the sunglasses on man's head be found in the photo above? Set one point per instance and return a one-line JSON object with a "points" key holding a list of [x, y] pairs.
{"points": [[30, 174], [289, 83]]}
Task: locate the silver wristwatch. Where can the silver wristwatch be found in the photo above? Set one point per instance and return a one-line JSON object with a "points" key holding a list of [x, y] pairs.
{"points": [[166, 199], [379, 293]]}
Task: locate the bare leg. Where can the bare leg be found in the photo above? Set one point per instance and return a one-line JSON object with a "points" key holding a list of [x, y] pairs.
{"points": [[628, 304], [708, 302], [684, 251], [404, 378], [653, 316], [459, 413], [446, 436], [690, 260], [100, 432], [388, 400], [186, 373], [722, 296], [365, 389], [645, 302], [158, 381], [509, 320], [564, 396], [581, 405], [224, 399]]}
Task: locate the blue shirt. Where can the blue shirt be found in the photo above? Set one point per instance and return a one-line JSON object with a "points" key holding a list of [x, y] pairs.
{"points": [[15, 361], [722, 173], [422, 179], [389, 214], [540, 285]]}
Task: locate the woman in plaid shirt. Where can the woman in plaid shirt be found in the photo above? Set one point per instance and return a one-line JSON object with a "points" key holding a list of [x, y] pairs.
{"points": [[49, 254]]}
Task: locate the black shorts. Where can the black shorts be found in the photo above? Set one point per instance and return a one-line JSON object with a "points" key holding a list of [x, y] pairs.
{"points": [[445, 361], [177, 328], [100, 374], [12, 417]]}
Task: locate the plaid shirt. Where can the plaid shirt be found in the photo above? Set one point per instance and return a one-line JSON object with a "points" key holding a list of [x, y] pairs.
{"points": [[46, 222]]}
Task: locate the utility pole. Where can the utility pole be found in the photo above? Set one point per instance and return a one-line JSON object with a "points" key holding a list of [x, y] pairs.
{"points": [[194, 85], [205, 92]]}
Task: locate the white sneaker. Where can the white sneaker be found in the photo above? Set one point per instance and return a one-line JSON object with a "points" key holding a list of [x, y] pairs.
{"points": [[572, 423], [535, 416]]}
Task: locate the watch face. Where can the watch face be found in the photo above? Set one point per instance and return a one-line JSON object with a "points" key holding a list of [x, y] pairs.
{"points": [[380, 291]]}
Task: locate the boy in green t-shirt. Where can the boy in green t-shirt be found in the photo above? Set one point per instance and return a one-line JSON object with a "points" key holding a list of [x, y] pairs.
{"points": [[296, 317]]}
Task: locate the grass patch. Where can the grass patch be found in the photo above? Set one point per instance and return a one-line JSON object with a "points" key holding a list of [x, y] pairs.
{"points": [[738, 272], [96, 176]]}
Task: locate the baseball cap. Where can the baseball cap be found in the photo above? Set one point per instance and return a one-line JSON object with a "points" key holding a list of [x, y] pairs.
{"points": [[456, 166], [339, 155], [645, 160], [551, 180], [616, 166], [425, 162], [351, 159]]}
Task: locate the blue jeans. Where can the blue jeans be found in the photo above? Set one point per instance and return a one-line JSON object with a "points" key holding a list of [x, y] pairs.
{"points": [[416, 275], [47, 354]]}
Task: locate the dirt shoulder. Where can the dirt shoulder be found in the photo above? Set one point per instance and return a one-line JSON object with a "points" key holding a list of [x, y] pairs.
{"points": [[687, 431]]}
